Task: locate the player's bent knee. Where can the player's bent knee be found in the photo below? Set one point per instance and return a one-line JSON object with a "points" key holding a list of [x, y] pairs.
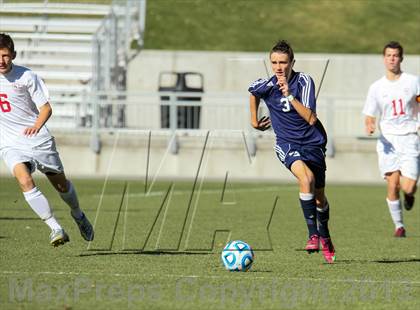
{"points": [[59, 181], [26, 183], [393, 185], [61, 187], [308, 183], [304, 186], [409, 188]]}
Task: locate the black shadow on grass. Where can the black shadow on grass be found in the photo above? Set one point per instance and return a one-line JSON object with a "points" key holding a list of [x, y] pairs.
{"points": [[145, 253], [303, 250], [19, 218], [352, 261], [396, 261], [259, 271]]}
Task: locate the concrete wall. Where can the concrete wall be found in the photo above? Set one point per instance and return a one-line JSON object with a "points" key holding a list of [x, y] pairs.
{"points": [[341, 98], [126, 156], [348, 74]]}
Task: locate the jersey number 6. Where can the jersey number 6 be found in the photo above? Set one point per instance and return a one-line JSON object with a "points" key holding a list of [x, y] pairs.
{"points": [[4, 104]]}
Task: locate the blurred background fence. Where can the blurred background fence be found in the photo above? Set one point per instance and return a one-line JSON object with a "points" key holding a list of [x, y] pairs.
{"points": [[103, 82], [113, 110]]}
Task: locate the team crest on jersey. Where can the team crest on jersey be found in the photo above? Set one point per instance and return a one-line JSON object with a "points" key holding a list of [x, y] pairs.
{"points": [[18, 86]]}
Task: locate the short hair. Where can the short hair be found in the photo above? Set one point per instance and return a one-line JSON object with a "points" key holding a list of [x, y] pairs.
{"points": [[395, 45], [284, 47], [7, 42]]}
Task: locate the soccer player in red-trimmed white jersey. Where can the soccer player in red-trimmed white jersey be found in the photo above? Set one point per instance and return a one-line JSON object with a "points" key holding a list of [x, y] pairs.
{"points": [[394, 98], [26, 143]]}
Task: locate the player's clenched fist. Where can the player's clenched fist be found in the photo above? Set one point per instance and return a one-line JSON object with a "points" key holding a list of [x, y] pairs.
{"points": [[283, 85], [263, 124]]}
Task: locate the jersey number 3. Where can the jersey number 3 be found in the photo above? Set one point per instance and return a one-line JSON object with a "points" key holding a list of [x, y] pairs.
{"points": [[286, 104], [4, 104]]}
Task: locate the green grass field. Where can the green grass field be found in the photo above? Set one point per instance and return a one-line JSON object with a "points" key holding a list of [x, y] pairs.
{"points": [[324, 26], [152, 256]]}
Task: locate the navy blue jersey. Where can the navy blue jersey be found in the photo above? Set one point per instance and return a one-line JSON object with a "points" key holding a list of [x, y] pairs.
{"points": [[287, 124]]}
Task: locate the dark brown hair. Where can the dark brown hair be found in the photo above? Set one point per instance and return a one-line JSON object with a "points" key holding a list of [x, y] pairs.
{"points": [[395, 45], [7, 42], [283, 47]]}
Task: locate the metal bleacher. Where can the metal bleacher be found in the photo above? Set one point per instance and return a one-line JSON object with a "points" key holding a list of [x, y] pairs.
{"points": [[55, 41]]}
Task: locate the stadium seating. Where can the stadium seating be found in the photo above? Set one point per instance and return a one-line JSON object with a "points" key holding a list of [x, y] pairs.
{"points": [[55, 40]]}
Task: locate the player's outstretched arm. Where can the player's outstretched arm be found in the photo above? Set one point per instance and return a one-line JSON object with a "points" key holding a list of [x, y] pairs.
{"points": [[45, 112], [260, 124]]}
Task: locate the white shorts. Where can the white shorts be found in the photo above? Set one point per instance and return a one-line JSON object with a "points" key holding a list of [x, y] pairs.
{"points": [[44, 157], [399, 153]]}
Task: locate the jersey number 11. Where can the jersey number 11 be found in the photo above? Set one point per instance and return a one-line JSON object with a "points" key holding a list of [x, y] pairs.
{"points": [[394, 107]]}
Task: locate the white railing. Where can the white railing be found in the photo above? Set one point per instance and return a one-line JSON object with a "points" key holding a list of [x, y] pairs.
{"points": [[49, 25], [218, 110], [189, 113], [43, 7]]}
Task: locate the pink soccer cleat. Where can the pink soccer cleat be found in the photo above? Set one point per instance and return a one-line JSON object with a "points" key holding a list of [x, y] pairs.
{"points": [[312, 245], [400, 232], [328, 250]]}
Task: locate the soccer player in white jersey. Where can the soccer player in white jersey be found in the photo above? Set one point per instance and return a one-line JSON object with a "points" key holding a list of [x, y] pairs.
{"points": [[394, 98], [26, 143]]}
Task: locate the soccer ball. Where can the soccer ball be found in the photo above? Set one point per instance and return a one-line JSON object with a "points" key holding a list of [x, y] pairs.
{"points": [[237, 256]]}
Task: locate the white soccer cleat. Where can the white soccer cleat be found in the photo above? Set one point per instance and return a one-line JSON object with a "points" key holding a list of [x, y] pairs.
{"points": [[85, 227], [58, 237]]}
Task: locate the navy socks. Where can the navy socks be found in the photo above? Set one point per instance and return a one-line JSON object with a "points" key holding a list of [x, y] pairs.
{"points": [[323, 216], [308, 204]]}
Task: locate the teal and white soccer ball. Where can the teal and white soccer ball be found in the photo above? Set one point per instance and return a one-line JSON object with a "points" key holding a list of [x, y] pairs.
{"points": [[237, 256]]}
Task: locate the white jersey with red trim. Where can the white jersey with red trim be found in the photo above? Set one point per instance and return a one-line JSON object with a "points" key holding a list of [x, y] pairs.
{"points": [[22, 92], [395, 102]]}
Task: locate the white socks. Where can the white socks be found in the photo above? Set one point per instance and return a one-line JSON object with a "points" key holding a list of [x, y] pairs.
{"points": [[396, 212], [70, 198], [39, 204], [326, 207], [306, 196]]}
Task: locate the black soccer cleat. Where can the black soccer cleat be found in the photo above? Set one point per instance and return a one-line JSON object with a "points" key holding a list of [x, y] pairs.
{"points": [[408, 202]]}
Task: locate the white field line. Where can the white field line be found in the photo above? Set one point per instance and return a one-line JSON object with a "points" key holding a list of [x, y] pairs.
{"points": [[5, 273], [206, 192], [279, 189]]}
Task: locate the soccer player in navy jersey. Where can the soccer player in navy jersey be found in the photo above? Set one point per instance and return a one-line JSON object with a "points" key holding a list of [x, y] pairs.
{"points": [[300, 139]]}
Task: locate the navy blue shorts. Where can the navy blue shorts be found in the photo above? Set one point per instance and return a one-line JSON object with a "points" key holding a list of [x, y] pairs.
{"points": [[312, 156]]}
